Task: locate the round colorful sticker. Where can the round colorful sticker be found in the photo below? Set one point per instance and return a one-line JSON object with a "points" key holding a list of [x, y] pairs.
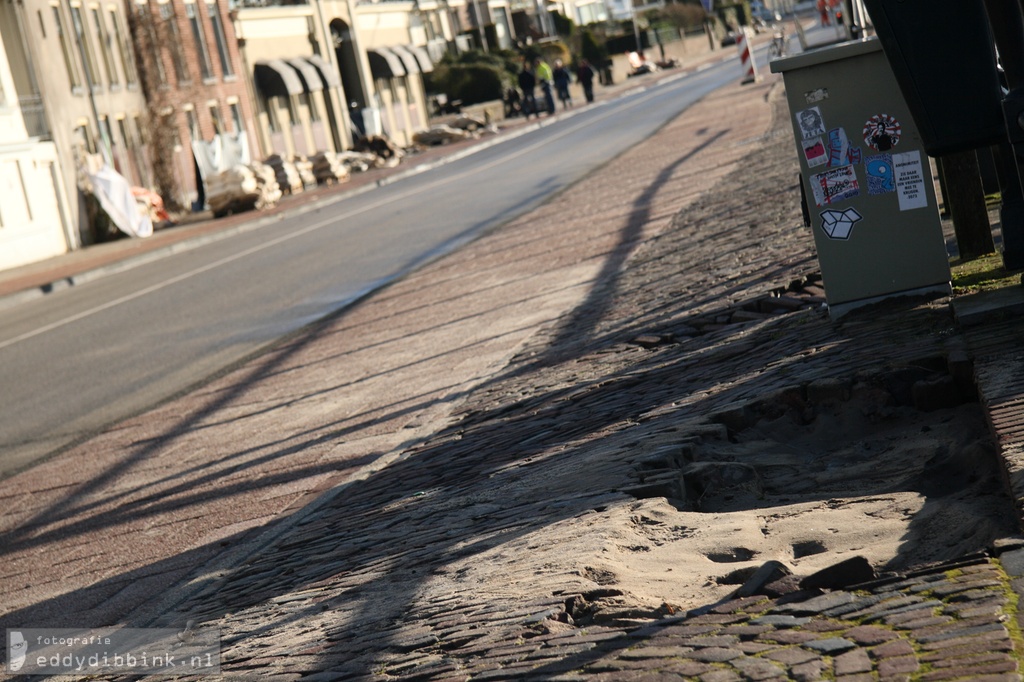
{"points": [[882, 132]]}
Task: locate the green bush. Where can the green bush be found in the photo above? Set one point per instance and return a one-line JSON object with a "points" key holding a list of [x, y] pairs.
{"points": [[475, 76]]}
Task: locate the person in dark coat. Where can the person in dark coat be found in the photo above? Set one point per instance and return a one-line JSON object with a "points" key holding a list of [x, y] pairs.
{"points": [[528, 85], [562, 78], [585, 75]]}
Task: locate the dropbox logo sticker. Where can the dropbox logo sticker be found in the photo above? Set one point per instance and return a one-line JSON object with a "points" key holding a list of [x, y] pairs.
{"points": [[839, 224]]}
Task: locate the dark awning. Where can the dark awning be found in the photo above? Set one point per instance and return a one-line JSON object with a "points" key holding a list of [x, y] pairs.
{"points": [[328, 74], [384, 63], [275, 78], [308, 74]]}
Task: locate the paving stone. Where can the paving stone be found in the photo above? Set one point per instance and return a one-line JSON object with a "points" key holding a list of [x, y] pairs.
{"points": [[824, 603], [970, 672], [830, 647], [788, 636], [898, 647], [649, 652], [780, 621], [958, 635], [888, 667], [792, 657], [811, 670], [758, 668], [714, 654], [856, 661], [868, 635], [720, 676]]}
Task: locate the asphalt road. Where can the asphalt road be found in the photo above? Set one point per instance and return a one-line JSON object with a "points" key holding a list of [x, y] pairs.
{"points": [[76, 361]]}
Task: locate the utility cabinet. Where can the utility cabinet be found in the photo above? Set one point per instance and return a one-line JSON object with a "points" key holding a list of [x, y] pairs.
{"points": [[866, 178]]}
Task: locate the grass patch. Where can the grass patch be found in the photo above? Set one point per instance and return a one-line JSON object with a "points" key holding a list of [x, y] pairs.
{"points": [[982, 274]]}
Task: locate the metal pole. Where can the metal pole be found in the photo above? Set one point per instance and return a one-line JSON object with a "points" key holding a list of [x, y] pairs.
{"points": [[1006, 18]]}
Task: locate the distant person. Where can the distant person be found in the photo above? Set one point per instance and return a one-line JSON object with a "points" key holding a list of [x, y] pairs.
{"points": [[544, 78], [528, 86], [562, 79], [585, 75]]}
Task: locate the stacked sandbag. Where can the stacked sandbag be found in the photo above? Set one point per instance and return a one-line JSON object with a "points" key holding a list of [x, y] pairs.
{"points": [[328, 169], [304, 167], [468, 123], [358, 162], [242, 188], [440, 134], [269, 189], [287, 174], [235, 189], [388, 154]]}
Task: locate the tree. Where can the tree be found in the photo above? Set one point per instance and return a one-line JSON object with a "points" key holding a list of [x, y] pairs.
{"points": [[163, 132]]}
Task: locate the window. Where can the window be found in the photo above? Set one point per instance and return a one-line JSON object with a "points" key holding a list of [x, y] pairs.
{"points": [[171, 22], [123, 49], [222, 41], [110, 142], [65, 48], [139, 129], [236, 117], [106, 49], [218, 123], [91, 72], [193, 125], [197, 33]]}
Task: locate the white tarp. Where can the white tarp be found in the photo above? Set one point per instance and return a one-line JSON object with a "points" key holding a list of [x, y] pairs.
{"points": [[116, 198], [224, 152]]}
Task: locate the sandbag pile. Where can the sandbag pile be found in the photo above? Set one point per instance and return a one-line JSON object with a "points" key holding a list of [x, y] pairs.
{"points": [[242, 188], [304, 167], [328, 169], [359, 162], [388, 154], [287, 174], [440, 134]]}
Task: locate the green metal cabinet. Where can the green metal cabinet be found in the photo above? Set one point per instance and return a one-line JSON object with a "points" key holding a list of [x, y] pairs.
{"points": [[867, 179]]}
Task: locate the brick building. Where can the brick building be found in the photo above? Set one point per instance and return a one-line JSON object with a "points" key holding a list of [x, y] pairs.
{"points": [[195, 84]]}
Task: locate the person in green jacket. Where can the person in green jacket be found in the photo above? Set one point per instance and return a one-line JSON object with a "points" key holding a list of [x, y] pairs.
{"points": [[544, 77]]}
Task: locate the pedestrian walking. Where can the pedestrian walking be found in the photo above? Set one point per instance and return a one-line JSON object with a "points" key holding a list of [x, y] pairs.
{"points": [[562, 79], [544, 77], [528, 86], [585, 75]]}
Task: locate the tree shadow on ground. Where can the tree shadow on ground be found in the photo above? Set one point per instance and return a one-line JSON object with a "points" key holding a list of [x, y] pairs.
{"points": [[397, 547]]}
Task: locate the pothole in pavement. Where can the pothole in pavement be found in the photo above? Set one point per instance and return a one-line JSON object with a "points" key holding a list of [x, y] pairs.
{"points": [[842, 442]]}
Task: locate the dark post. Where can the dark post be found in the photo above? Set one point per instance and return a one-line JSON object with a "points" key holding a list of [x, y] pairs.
{"points": [[965, 202], [1007, 20]]}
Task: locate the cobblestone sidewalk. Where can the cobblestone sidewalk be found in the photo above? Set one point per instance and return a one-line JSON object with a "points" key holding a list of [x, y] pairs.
{"points": [[697, 323]]}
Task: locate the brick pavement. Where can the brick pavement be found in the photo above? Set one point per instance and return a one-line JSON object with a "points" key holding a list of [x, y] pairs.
{"points": [[672, 314]]}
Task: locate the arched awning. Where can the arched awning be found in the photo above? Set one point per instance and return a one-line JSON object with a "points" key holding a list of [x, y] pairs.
{"points": [[408, 59], [384, 63], [308, 74], [422, 57], [328, 74], [274, 78]]}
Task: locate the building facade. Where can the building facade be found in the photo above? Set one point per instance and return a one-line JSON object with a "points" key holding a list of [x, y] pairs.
{"points": [[34, 219], [75, 56], [196, 87]]}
